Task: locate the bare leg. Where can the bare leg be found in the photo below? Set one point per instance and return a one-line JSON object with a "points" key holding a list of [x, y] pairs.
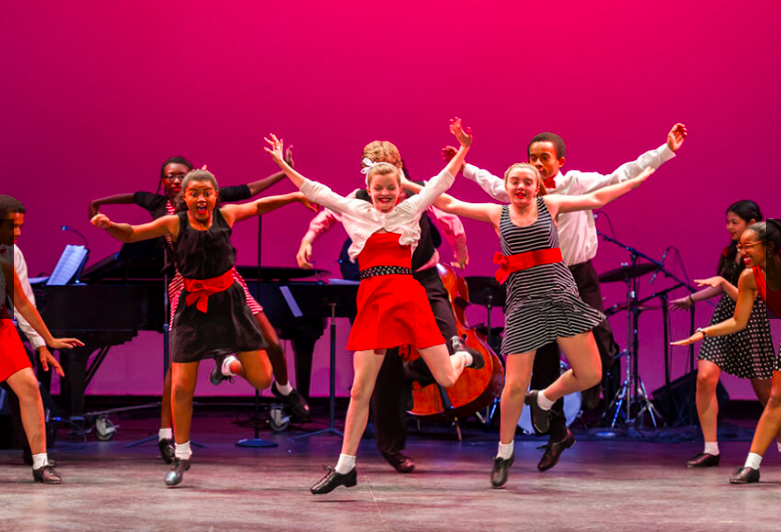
{"points": [[518, 373], [25, 385], [255, 368], [585, 366], [276, 354], [444, 368], [770, 422], [367, 366], [184, 377], [708, 375], [762, 388]]}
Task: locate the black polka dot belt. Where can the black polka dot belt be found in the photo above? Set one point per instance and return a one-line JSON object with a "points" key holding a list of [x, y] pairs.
{"points": [[374, 271]]}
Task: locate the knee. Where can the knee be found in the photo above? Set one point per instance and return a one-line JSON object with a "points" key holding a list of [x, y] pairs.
{"points": [[707, 381], [26, 388], [360, 393], [274, 349], [514, 390], [774, 402], [181, 392]]}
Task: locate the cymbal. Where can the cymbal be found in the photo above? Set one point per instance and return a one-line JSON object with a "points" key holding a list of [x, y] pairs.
{"points": [[618, 307], [485, 288], [626, 272]]}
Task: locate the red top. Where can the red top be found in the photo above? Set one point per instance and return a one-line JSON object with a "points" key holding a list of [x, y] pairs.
{"points": [[771, 299], [385, 251]]}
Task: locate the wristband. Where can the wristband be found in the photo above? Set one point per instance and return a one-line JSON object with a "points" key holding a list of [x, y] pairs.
{"points": [[702, 330], [691, 299]]}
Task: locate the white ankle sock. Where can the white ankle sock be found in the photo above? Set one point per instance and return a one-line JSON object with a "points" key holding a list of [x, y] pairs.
{"points": [[711, 447], [226, 366], [753, 460], [165, 434], [40, 460], [543, 401], [345, 464], [505, 451], [284, 389], [183, 451]]}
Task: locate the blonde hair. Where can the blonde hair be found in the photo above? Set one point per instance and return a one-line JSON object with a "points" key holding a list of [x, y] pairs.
{"points": [[381, 151], [531, 168]]}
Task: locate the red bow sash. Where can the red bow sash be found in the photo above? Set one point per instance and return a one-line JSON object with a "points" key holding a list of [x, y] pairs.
{"points": [[200, 289], [523, 261]]}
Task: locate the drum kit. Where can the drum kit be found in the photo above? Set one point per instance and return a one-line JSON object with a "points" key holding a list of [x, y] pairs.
{"points": [[631, 402]]}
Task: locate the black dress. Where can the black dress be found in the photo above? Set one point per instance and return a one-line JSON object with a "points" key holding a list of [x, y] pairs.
{"points": [[228, 326]]}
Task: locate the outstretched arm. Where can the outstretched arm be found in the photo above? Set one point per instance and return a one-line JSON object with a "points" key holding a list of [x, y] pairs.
{"points": [[28, 310], [237, 213], [94, 205], [135, 233], [594, 200], [747, 292]]}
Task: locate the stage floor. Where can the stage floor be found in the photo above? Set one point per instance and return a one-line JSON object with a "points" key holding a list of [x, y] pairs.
{"points": [[597, 485]]}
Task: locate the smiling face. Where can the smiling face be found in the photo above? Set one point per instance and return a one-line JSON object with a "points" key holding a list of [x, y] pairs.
{"points": [[200, 198], [384, 188], [752, 249], [173, 175], [522, 184], [543, 156], [736, 225]]}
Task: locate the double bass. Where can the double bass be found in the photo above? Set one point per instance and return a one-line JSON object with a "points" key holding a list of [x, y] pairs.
{"points": [[475, 389]]}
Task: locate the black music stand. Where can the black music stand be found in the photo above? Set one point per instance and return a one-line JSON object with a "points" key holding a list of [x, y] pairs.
{"points": [[257, 442], [324, 302]]}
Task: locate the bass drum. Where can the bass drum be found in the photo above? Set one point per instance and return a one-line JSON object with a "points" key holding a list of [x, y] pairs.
{"points": [[572, 404]]}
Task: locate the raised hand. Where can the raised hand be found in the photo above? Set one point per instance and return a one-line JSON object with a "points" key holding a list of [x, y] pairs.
{"points": [[101, 221], [275, 149], [289, 156], [464, 137], [714, 282], [448, 152], [676, 136]]}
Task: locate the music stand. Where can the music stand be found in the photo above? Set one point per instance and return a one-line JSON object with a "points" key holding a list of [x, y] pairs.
{"points": [[324, 300]]}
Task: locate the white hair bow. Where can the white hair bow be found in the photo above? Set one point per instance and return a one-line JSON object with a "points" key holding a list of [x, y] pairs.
{"points": [[368, 164]]}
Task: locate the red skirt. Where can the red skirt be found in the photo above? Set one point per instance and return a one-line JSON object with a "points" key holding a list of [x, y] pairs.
{"points": [[393, 310], [13, 357]]}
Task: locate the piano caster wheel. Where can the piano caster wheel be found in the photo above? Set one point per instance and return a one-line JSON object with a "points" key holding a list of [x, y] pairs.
{"points": [[105, 430], [278, 421]]}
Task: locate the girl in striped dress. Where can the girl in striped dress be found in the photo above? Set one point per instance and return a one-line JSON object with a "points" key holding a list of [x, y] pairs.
{"points": [[542, 298]]}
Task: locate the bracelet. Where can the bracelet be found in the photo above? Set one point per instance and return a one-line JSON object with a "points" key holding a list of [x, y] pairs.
{"points": [[691, 299], [701, 330]]}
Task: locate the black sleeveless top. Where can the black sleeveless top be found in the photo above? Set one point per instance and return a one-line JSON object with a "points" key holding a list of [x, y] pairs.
{"points": [[204, 254]]}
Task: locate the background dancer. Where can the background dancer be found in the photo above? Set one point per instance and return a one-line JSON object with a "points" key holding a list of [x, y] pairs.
{"points": [[213, 318], [747, 354], [760, 247]]}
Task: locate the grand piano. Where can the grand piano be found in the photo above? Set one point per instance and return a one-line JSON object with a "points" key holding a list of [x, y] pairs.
{"points": [[124, 294]]}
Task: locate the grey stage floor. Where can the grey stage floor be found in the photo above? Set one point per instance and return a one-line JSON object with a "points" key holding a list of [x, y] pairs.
{"points": [[598, 485]]}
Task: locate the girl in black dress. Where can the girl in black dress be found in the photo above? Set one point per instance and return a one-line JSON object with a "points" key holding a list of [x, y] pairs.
{"points": [[158, 204], [212, 318]]}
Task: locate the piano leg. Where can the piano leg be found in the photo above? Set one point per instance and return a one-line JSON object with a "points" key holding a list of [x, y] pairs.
{"points": [[74, 363]]}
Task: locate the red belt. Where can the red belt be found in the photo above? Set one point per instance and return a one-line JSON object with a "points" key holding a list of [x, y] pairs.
{"points": [[200, 289], [523, 261]]}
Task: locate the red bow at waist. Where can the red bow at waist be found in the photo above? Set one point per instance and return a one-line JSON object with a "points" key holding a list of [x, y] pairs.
{"points": [[200, 289], [523, 261]]}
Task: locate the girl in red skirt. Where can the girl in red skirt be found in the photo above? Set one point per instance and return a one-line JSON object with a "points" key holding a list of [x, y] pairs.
{"points": [[760, 247], [392, 306], [15, 367]]}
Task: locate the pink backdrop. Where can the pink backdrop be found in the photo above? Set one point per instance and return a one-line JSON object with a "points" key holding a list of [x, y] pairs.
{"points": [[96, 95]]}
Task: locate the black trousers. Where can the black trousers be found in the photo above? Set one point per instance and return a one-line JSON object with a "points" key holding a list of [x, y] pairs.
{"points": [[547, 367], [390, 393]]}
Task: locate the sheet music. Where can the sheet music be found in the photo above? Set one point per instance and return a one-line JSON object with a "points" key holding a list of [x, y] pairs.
{"points": [[68, 266]]}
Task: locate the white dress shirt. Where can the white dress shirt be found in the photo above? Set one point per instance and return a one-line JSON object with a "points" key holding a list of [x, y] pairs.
{"points": [[361, 220], [20, 266], [577, 231]]}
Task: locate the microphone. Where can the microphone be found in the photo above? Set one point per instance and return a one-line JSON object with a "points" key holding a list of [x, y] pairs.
{"points": [[71, 229], [653, 277]]}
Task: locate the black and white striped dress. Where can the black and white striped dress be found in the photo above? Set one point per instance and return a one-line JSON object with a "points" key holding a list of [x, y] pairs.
{"points": [[543, 301]]}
